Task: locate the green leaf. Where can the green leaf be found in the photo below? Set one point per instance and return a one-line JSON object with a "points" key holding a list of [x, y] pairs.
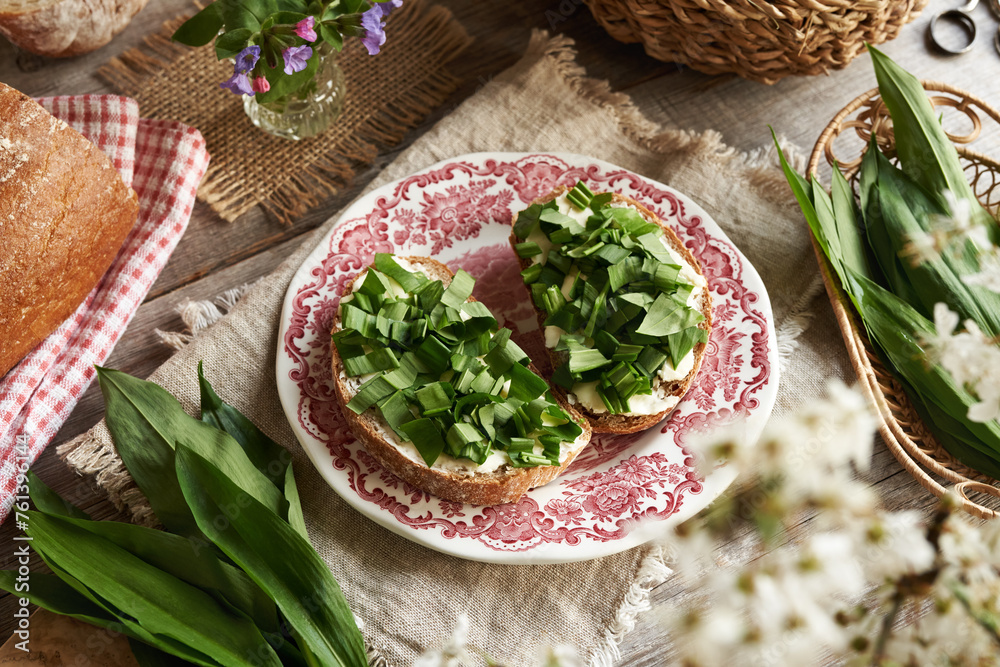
{"points": [[149, 656], [249, 14], [925, 152], [667, 316], [267, 456], [682, 342], [296, 519], [354, 6], [330, 35], [426, 437], [191, 561], [124, 623], [162, 604], [48, 501], [293, 574], [849, 225], [879, 239], [898, 329], [201, 28], [408, 280], [146, 422], [803, 195], [50, 592], [900, 209], [229, 45]]}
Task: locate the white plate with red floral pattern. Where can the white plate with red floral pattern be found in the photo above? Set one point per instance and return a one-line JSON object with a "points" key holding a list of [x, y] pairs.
{"points": [[622, 490]]}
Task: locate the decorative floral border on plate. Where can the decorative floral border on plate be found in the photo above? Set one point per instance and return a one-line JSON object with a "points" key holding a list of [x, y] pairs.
{"points": [[459, 212]]}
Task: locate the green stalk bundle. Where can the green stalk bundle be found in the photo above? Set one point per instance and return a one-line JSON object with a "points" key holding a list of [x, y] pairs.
{"points": [[868, 248], [232, 581]]}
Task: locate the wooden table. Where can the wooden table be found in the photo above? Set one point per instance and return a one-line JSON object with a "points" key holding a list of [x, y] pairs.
{"points": [[214, 255]]}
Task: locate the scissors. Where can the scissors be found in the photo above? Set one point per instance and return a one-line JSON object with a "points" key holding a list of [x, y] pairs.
{"points": [[962, 16]]}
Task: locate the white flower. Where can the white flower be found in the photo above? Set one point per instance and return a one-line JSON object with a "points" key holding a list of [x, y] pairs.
{"points": [[452, 654], [921, 247], [959, 223], [989, 272], [971, 358], [708, 636], [560, 656], [894, 544]]}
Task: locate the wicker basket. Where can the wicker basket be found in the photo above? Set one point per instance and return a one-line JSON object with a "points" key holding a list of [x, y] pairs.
{"points": [[761, 40], [903, 432]]}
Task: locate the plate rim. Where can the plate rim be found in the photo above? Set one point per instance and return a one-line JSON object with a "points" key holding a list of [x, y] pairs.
{"points": [[546, 553]]}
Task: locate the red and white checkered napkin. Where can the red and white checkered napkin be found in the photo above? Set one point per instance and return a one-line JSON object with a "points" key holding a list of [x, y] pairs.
{"points": [[164, 162]]}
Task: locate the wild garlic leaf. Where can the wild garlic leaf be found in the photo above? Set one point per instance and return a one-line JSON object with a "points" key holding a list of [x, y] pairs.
{"points": [[925, 152], [899, 329], [48, 501], [189, 561], [296, 519], [50, 592], [668, 315], [267, 456], [150, 656], [146, 422], [159, 602], [279, 559]]}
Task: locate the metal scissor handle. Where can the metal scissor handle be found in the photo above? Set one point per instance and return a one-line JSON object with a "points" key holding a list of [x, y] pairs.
{"points": [[961, 16]]}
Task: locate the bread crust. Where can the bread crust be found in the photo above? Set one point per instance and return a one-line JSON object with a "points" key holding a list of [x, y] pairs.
{"points": [[603, 422], [505, 485], [65, 28], [64, 213]]}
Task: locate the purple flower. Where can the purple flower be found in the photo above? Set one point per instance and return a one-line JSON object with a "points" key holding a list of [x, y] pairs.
{"points": [[373, 21], [306, 29], [296, 58], [238, 83], [246, 59]]}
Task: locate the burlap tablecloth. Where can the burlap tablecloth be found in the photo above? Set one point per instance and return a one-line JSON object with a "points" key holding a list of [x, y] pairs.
{"points": [[409, 596]]}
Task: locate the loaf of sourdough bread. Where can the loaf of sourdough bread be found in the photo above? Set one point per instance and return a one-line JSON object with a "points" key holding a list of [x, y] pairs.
{"points": [[65, 28], [64, 213]]}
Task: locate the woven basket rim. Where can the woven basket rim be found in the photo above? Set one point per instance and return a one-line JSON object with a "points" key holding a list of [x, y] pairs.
{"points": [[897, 417], [760, 40]]}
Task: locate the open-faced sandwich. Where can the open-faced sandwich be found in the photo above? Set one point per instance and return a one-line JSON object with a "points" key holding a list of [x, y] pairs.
{"points": [[624, 307], [438, 394]]}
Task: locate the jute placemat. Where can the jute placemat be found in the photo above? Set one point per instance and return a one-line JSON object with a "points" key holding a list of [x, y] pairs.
{"points": [[409, 596], [387, 95]]}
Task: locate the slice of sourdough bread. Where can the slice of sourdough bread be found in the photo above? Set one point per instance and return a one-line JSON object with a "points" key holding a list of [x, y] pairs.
{"points": [[448, 478], [672, 391]]}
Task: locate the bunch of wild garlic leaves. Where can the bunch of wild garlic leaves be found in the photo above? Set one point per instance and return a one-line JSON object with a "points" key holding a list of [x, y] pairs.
{"points": [[232, 581], [917, 256]]}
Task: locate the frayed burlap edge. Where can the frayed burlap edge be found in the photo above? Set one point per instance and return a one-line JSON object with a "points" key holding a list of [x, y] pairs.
{"points": [[305, 188]]}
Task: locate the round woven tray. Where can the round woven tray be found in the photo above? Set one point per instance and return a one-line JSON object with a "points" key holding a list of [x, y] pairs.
{"points": [[761, 40], [904, 433]]}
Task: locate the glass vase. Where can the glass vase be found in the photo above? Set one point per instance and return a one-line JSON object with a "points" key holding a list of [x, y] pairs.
{"points": [[309, 110]]}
